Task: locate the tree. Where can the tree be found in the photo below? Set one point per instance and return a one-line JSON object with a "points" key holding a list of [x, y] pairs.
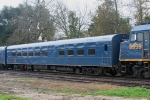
{"points": [[140, 10], [68, 22], [73, 21], [34, 23], [108, 20], [8, 22]]}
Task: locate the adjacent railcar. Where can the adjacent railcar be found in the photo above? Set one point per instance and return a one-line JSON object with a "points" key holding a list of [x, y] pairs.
{"points": [[92, 55], [135, 53], [3, 55]]}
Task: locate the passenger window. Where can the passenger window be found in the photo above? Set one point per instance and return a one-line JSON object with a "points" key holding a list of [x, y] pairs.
{"points": [[70, 52], [105, 47], [24, 54], [13, 54], [61, 53], [37, 53], [30, 53], [44, 53], [18, 53], [80, 52], [91, 51]]}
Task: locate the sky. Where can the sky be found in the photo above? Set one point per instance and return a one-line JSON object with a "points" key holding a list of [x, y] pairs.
{"points": [[73, 5], [13, 3], [79, 3]]}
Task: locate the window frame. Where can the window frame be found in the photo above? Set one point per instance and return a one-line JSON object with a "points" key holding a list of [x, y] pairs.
{"points": [[137, 37]]}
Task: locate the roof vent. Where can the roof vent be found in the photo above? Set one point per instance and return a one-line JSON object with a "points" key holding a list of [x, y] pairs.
{"points": [[145, 23]]}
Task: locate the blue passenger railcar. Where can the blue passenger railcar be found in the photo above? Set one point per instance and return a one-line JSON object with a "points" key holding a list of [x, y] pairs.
{"points": [[92, 55], [3, 56], [135, 53]]}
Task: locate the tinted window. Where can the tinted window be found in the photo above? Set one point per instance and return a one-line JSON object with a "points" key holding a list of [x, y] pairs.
{"points": [[44, 53], [24, 54], [61, 53], [80, 52], [105, 47], [30, 53], [37, 53], [18, 53], [13, 54], [91, 51], [70, 52]]}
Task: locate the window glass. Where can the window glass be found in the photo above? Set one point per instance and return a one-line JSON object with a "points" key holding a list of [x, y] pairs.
{"points": [[30, 53], [70, 52], [105, 47], [18, 53], [13, 54], [139, 36], [136, 36], [133, 37], [44, 53], [61, 52], [146, 35], [24, 54], [37, 53], [80, 52], [91, 51]]}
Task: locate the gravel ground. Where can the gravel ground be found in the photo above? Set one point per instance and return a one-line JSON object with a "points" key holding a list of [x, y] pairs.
{"points": [[41, 89]]}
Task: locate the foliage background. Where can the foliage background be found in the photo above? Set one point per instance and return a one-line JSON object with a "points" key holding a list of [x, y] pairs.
{"points": [[52, 20]]}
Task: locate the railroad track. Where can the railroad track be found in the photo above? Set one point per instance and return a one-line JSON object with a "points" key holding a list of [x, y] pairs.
{"points": [[80, 78]]}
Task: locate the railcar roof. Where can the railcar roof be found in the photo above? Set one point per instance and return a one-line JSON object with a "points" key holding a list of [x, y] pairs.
{"points": [[141, 27], [1, 48], [62, 42]]}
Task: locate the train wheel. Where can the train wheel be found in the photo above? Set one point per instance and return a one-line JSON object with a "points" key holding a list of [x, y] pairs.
{"points": [[84, 71], [113, 72], [24, 67], [89, 71], [99, 71], [2, 67], [32, 68], [96, 72], [142, 74]]}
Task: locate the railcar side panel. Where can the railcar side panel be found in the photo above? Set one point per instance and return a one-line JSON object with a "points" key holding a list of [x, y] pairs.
{"points": [[88, 53]]}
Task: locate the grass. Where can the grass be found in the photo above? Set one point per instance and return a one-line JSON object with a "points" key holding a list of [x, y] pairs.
{"points": [[10, 97], [52, 87], [130, 92]]}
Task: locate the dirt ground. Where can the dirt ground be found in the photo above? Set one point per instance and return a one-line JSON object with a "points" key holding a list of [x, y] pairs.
{"points": [[42, 89]]}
